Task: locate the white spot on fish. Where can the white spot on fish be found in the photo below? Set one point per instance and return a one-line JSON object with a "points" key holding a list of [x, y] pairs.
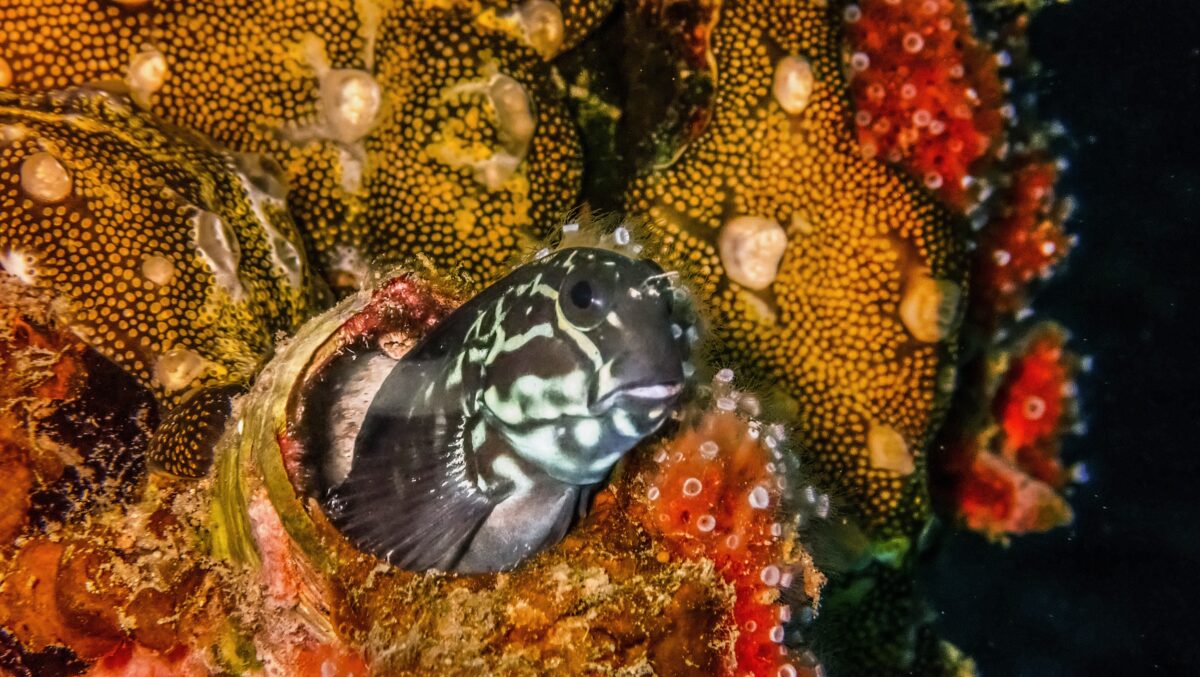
{"points": [[587, 432]]}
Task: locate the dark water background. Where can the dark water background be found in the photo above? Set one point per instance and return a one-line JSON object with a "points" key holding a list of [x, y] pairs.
{"points": [[1119, 592]]}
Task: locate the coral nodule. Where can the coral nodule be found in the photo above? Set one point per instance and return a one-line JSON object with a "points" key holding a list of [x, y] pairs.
{"points": [[321, 351]]}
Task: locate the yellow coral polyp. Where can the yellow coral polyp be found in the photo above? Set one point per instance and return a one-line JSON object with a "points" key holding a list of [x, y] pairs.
{"points": [[835, 344]]}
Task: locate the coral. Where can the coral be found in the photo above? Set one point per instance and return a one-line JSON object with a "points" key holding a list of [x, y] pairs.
{"points": [[1023, 239], [73, 426], [854, 326], [454, 186], [194, 294], [1003, 474], [927, 92], [430, 128], [720, 490]]}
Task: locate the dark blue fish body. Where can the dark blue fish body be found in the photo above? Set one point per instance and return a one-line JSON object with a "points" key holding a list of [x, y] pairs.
{"points": [[486, 440]]}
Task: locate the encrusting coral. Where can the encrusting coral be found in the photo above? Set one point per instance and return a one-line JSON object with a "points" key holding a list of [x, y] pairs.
{"points": [[429, 127]]}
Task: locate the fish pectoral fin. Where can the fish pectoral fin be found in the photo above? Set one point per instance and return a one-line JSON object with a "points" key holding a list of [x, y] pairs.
{"points": [[184, 442], [408, 498]]}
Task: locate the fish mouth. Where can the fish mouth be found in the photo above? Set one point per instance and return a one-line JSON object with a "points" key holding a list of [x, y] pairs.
{"points": [[656, 391], [648, 393]]}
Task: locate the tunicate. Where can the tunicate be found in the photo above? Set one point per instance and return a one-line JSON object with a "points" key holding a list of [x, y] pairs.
{"points": [[542, 23], [19, 265], [147, 73], [514, 115]]}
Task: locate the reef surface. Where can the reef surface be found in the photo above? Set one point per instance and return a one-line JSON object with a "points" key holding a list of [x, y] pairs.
{"points": [[854, 193]]}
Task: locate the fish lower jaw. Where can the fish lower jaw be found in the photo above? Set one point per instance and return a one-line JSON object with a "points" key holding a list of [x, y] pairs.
{"points": [[659, 391], [654, 395]]}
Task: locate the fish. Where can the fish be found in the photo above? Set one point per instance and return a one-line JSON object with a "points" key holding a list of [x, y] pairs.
{"points": [[486, 441]]}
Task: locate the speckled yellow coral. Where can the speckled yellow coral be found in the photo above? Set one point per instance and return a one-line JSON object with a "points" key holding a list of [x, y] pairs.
{"points": [[352, 98], [162, 253], [828, 330]]}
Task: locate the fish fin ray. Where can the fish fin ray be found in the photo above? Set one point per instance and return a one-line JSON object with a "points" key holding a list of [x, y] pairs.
{"points": [[409, 497]]}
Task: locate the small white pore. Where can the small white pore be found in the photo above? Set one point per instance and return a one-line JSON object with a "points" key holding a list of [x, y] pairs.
{"points": [[542, 23], [769, 575], [751, 248], [350, 100], [45, 178], [913, 43], [793, 84], [1033, 408], [760, 498], [158, 269], [177, 368]]}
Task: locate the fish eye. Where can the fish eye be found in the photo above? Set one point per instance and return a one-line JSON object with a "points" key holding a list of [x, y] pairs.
{"points": [[585, 297], [581, 294]]}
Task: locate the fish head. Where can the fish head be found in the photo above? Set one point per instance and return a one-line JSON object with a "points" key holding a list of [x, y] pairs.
{"points": [[588, 362]]}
